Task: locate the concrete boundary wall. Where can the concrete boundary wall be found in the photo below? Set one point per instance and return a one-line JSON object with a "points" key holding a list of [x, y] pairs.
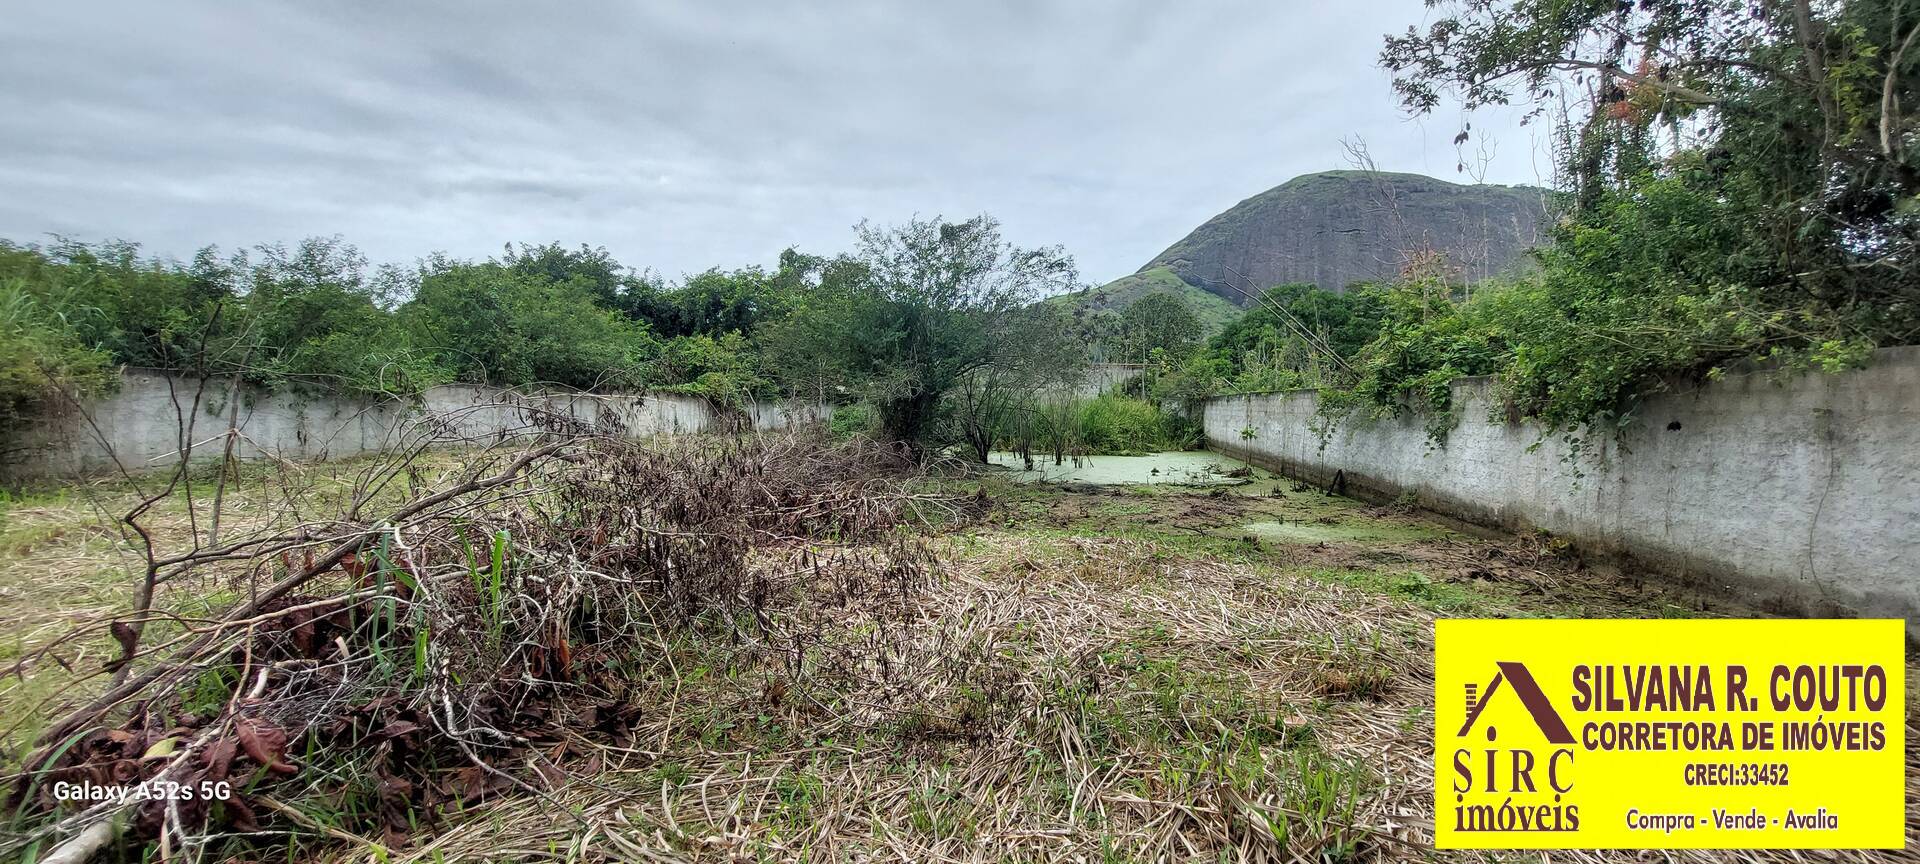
{"points": [[1801, 493], [1104, 378], [141, 425]]}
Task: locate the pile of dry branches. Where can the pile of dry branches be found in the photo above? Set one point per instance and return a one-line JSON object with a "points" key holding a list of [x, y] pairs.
{"points": [[408, 665]]}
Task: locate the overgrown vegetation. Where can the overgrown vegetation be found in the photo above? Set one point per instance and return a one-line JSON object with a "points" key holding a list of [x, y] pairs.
{"points": [[318, 316], [1267, 349], [1116, 424], [934, 324], [441, 659], [588, 648], [1059, 426], [1741, 185], [377, 670], [44, 364], [926, 311], [512, 632]]}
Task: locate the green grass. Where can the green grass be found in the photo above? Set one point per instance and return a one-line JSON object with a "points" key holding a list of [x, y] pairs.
{"points": [[1411, 585], [1198, 547], [798, 792], [1353, 668], [1350, 531], [1324, 790]]}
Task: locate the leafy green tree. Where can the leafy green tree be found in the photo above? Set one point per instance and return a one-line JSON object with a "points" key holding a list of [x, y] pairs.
{"points": [[588, 268], [717, 301], [920, 308], [1263, 350], [315, 315], [1790, 124], [726, 370], [1743, 183], [1098, 331], [489, 323], [1160, 322]]}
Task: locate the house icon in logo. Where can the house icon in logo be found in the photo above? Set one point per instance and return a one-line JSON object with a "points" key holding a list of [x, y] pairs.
{"points": [[1537, 705]]}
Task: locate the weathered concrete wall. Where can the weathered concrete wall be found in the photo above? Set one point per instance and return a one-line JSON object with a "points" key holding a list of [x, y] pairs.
{"points": [[1102, 378], [1802, 493], [141, 425]]}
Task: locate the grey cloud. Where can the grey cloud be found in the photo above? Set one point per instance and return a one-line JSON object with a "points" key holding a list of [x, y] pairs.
{"points": [[688, 135]]}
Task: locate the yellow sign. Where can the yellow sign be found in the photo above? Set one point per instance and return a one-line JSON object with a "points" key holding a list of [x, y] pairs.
{"points": [[1727, 734]]}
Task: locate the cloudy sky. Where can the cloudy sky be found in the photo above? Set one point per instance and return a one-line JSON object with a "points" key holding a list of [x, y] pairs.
{"points": [[688, 135]]}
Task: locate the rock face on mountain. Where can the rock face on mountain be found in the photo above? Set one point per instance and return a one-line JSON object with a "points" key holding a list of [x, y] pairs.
{"points": [[1337, 228]]}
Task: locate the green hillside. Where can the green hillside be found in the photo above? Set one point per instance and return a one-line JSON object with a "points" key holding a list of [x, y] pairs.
{"points": [[1213, 312]]}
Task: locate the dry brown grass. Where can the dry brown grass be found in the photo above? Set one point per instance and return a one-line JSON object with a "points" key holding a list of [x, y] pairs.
{"points": [[1056, 693], [1052, 699], [68, 559]]}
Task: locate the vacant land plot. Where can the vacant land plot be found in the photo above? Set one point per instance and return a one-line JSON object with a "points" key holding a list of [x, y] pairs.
{"points": [[1213, 668]]}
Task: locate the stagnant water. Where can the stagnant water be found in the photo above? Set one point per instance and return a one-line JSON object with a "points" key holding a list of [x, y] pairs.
{"points": [[1182, 468], [1318, 517]]}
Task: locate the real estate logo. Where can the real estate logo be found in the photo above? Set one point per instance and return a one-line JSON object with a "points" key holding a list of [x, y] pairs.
{"points": [[1525, 769], [1669, 734]]}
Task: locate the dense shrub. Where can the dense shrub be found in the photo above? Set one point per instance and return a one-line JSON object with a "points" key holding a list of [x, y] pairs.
{"points": [[315, 315], [853, 420], [1114, 424], [139, 312], [1117, 424], [318, 315], [725, 370], [1627, 302], [1262, 350], [1740, 185], [487, 323], [1055, 425], [41, 356]]}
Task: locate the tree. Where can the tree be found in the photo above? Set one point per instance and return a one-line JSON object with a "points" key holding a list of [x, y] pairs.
{"points": [[717, 301], [1789, 124], [590, 268], [489, 323], [1261, 350], [920, 308], [313, 314], [1159, 321], [1040, 357]]}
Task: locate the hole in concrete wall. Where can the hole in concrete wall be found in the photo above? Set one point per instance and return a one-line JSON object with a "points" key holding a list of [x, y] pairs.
{"points": [[1673, 426]]}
